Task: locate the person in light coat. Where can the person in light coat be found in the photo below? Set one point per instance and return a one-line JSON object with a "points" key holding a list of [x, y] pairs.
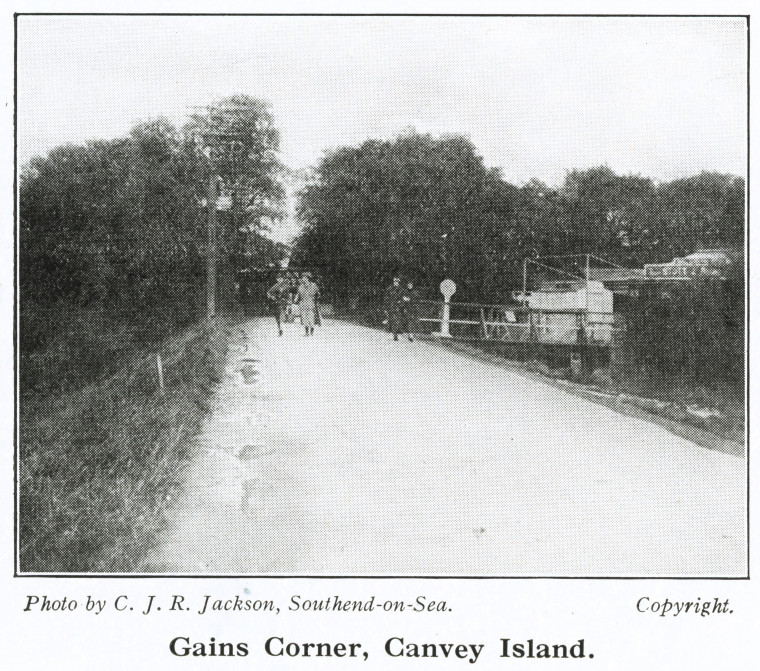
{"points": [[307, 296]]}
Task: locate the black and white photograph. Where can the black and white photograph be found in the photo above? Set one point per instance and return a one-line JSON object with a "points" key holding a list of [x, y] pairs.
{"points": [[381, 296]]}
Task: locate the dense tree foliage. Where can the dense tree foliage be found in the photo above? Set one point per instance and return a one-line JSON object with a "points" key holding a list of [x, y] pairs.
{"points": [[428, 207], [118, 228], [112, 224], [420, 206], [240, 142]]}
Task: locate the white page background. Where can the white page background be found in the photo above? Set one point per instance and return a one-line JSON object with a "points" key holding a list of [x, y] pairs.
{"points": [[603, 612]]}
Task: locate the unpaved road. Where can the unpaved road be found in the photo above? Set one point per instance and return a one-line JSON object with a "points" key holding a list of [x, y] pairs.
{"points": [[351, 454]]}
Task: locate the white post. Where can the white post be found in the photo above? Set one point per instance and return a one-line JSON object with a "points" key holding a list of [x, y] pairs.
{"points": [[160, 369], [448, 287], [445, 320]]}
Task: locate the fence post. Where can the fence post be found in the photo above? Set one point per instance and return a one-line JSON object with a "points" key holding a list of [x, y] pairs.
{"points": [[617, 339], [448, 288], [160, 369]]}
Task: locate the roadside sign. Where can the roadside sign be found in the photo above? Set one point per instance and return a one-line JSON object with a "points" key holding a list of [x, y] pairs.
{"points": [[681, 271], [448, 287]]}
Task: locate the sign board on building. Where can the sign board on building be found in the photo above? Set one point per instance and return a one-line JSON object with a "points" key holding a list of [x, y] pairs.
{"points": [[681, 271], [702, 264]]}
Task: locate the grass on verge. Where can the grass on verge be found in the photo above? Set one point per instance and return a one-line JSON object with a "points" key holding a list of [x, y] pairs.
{"points": [[97, 466]]}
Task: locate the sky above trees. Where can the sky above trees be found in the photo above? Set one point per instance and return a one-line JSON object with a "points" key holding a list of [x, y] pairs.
{"points": [[538, 97]]}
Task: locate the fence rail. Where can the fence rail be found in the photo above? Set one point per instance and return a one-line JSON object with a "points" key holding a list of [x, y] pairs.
{"points": [[519, 324]]}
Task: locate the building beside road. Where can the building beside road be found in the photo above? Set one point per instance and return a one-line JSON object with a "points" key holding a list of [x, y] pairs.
{"points": [[557, 306]]}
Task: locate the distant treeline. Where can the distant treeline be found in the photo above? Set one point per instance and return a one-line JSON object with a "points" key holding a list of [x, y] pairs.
{"points": [[427, 208]]}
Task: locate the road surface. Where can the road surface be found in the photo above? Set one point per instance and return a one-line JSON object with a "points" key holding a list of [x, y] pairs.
{"points": [[349, 454]]}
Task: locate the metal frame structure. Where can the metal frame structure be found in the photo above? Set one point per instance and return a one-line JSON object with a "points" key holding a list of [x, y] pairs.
{"points": [[519, 324]]}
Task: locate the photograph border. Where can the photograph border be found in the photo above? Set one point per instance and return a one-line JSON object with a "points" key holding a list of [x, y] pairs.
{"points": [[16, 326]]}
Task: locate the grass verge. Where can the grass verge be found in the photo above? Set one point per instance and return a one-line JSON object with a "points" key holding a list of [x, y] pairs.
{"points": [[97, 466], [717, 411], [724, 431]]}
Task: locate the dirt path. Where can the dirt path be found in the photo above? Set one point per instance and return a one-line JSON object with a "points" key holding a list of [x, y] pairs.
{"points": [[353, 455]]}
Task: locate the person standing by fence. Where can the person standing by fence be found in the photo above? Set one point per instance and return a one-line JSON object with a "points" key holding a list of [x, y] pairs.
{"points": [[277, 297], [308, 293], [395, 312], [411, 308]]}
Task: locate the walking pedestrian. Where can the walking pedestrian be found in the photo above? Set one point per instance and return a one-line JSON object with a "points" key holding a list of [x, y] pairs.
{"points": [[277, 297], [395, 314], [308, 293], [292, 281]]}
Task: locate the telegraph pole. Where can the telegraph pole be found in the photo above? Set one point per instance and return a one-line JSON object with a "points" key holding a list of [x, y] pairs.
{"points": [[215, 181], [213, 248]]}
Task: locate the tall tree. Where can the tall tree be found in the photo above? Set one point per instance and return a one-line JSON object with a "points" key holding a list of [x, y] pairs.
{"points": [[607, 214], [240, 142], [118, 227], [418, 205], [706, 210]]}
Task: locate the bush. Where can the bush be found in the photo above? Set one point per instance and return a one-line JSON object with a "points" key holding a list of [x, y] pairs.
{"points": [[689, 335]]}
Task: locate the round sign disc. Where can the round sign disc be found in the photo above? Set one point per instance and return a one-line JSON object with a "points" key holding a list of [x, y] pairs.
{"points": [[448, 287]]}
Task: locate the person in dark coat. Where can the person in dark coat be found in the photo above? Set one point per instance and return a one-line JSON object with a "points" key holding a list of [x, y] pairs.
{"points": [[292, 284], [412, 309], [395, 311], [278, 297]]}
